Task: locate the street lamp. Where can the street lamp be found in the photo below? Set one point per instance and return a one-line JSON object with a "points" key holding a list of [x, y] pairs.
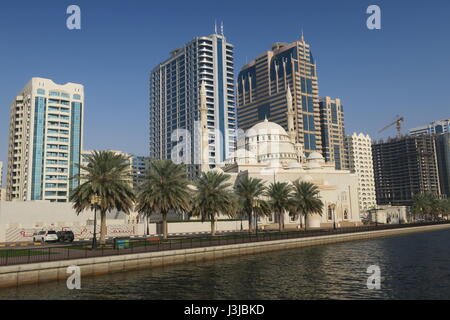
{"points": [[334, 216], [95, 201]]}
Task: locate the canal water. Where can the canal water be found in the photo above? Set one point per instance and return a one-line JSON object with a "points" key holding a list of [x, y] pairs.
{"points": [[415, 266]]}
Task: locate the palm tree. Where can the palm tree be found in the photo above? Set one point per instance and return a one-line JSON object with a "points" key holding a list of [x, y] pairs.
{"points": [[249, 192], [446, 206], [419, 206], [438, 208], [305, 200], [164, 189], [106, 177], [213, 197], [423, 204], [279, 194]]}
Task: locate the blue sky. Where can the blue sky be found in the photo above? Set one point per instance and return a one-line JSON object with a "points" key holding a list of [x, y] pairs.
{"points": [[404, 68]]}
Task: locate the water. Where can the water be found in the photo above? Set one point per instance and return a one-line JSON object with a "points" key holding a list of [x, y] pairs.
{"points": [[415, 266]]}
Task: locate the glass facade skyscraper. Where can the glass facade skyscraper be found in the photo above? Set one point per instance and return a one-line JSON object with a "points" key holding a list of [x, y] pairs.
{"points": [[435, 127], [262, 86], [333, 132], [45, 141], [175, 102]]}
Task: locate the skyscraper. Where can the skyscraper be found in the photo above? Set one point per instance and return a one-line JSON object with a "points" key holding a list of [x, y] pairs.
{"points": [[404, 167], [261, 91], [443, 155], [140, 165], [45, 141], [435, 127], [333, 131], [175, 102], [359, 156]]}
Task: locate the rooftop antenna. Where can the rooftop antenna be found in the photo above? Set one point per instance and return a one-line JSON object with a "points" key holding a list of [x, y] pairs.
{"points": [[221, 27], [303, 38], [215, 26]]}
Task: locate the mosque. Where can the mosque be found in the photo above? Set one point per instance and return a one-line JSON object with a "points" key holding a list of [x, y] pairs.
{"points": [[268, 152]]}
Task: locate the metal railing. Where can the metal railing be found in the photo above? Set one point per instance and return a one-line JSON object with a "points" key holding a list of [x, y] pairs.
{"points": [[79, 251]]}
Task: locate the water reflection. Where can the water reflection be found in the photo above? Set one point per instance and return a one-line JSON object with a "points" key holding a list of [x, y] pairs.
{"points": [[412, 267]]}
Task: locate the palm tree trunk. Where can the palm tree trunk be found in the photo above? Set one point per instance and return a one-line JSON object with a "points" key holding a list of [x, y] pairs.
{"points": [[213, 227], [306, 217], [103, 227], [250, 229], [280, 221], [165, 229]]}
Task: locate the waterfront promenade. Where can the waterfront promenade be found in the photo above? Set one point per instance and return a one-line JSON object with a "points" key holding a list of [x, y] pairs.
{"points": [[48, 253], [51, 264]]}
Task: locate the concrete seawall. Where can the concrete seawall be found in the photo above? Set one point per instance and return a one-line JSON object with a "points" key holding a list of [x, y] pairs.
{"points": [[17, 275]]}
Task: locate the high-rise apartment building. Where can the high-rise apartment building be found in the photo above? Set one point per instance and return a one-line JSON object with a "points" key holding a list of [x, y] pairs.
{"points": [[45, 141], [359, 156], [262, 86], [435, 127], [175, 102], [443, 155], [333, 131], [140, 166], [404, 167]]}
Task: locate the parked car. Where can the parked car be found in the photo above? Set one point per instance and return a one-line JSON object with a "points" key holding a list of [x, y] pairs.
{"points": [[65, 235], [45, 236]]}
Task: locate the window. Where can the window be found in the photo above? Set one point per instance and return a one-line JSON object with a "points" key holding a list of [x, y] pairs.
{"points": [[345, 214], [330, 212], [40, 91], [53, 94], [77, 97]]}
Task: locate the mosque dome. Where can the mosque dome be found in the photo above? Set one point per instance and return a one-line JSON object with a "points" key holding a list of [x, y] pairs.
{"points": [[269, 142], [266, 128], [266, 142], [315, 160], [315, 156]]}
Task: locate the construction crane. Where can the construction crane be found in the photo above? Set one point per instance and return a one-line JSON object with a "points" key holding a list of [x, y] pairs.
{"points": [[397, 123]]}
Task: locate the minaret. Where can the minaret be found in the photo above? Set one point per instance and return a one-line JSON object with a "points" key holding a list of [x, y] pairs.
{"points": [[204, 129], [290, 114]]}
